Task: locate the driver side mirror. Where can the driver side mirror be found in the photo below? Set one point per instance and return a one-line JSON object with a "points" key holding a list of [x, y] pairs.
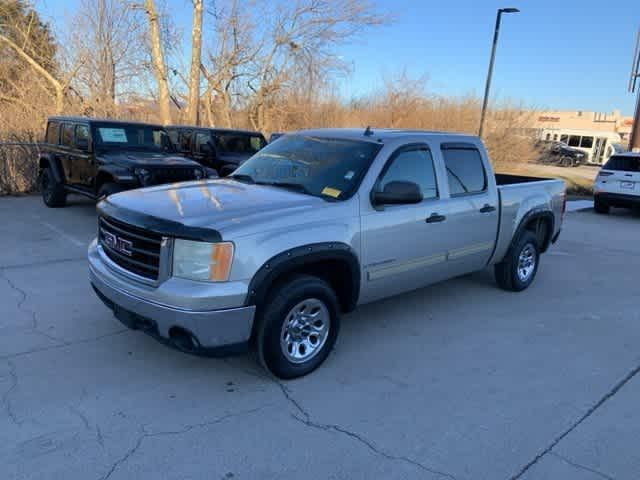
{"points": [[397, 193]]}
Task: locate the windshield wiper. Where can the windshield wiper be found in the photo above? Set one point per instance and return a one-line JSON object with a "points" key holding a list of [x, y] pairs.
{"points": [[298, 187], [243, 177]]}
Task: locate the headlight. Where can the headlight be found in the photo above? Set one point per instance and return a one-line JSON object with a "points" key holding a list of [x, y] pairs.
{"points": [[198, 174], [143, 175], [206, 262]]}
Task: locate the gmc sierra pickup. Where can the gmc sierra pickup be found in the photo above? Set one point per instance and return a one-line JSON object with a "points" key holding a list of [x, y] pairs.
{"points": [[314, 225]]}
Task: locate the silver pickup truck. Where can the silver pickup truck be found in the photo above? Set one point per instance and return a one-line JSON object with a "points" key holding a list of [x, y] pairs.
{"points": [[312, 226]]}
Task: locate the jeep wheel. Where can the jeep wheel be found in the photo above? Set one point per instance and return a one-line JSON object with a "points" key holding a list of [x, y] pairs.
{"points": [[519, 267], [108, 189], [53, 192], [298, 327]]}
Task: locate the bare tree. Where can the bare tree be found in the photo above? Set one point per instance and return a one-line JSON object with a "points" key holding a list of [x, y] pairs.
{"points": [[158, 61], [196, 58]]}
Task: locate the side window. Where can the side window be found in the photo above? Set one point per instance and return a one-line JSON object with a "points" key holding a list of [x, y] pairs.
{"points": [[82, 136], [202, 139], [465, 171], [586, 142], [413, 166], [66, 136], [173, 136], [574, 141], [564, 138], [185, 141], [53, 133]]}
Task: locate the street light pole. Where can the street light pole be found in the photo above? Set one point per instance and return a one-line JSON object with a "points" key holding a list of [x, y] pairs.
{"points": [[487, 86]]}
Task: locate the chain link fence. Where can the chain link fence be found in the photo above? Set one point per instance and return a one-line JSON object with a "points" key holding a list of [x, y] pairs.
{"points": [[18, 167]]}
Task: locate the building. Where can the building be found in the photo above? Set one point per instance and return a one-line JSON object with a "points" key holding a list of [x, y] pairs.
{"points": [[598, 134]]}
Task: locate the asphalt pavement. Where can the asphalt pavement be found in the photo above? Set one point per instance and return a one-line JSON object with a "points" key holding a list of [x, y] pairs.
{"points": [[457, 381]]}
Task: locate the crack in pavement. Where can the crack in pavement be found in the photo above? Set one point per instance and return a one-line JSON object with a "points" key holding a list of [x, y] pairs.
{"points": [[67, 344], [122, 460], [34, 317], [5, 397], [616, 388], [580, 466], [354, 436]]}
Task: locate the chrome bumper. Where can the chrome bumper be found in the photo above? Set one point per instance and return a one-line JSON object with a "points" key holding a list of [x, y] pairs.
{"points": [[215, 331]]}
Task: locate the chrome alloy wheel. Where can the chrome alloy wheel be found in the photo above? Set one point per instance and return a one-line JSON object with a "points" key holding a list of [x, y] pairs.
{"points": [[526, 262], [305, 330]]}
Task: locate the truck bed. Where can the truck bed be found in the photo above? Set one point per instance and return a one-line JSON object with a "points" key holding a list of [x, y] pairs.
{"points": [[508, 179]]}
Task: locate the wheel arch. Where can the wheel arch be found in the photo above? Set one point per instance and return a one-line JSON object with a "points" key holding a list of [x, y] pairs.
{"points": [[48, 161], [541, 223], [334, 262]]}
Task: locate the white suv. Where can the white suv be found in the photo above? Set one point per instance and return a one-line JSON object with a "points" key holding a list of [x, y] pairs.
{"points": [[618, 183]]}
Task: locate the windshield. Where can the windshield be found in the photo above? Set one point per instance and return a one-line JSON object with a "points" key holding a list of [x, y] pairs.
{"points": [[239, 142], [323, 167], [122, 136]]}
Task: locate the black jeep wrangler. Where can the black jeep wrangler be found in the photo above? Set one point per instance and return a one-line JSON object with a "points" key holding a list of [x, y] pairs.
{"points": [[96, 158], [219, 148]]}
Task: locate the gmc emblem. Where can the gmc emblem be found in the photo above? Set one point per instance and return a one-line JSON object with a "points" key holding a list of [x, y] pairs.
{"points": [[118, 244]]}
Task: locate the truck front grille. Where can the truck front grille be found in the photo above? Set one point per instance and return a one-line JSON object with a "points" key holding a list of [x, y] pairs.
{"points": [[131, 248], [171, 175]]}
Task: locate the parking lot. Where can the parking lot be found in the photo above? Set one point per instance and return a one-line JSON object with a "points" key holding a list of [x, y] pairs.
{"points": [[457, 381]]}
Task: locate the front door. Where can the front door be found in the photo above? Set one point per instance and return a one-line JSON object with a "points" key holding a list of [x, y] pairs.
{"points": [[471, 209], [401, 250]]}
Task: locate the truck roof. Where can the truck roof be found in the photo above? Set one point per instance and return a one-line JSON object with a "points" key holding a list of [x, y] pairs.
{"points": [[71, 118], [377, 135]]}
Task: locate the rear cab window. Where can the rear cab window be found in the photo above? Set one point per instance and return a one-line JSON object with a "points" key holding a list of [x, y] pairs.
{"points": [[466, 174], [53, 133]]}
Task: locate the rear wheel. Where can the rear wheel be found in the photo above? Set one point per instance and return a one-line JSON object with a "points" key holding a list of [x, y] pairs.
{"points": [[53, 193], [298, 327], [520, 266], [600, 207]]}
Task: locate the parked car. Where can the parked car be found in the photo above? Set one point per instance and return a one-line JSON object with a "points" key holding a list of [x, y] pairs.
{"points": [[97, 158], [312, 226], [218, 148], [561, 154], [618, 183]]}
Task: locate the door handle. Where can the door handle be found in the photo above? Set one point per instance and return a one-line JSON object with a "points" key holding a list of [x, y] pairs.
{"points": [[435, 218], [487, 208]]}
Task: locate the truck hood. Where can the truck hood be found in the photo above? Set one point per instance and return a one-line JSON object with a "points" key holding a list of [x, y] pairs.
{"points": [[133, 158], [204, 210]]}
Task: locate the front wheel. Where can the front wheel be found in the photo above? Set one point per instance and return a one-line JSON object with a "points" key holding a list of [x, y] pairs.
{"points": [[298, 327], [519, 267]]}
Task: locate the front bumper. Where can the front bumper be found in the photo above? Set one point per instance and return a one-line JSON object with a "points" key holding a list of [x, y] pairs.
{"points": [[213, 332], [619, 199]]}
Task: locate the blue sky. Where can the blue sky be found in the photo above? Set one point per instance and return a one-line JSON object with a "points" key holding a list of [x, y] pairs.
{"points": [[571, 55]]}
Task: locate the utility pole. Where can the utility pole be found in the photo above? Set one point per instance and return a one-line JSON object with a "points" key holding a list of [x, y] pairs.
{"points": [[487, 86], [634, 141]]}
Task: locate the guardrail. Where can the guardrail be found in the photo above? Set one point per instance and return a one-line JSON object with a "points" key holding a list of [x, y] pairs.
{"points": [[18, 167]]}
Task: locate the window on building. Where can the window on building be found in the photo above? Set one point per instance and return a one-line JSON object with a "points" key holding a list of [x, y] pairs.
{"points": [[548, 137], [555, 137], [465, 171]]}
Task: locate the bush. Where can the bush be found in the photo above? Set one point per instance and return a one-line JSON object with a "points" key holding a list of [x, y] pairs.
{"points": [[18, 167]]}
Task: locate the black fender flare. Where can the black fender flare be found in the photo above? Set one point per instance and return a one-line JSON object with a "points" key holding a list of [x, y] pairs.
{"points": [[299, 257], [536, 215], [48, 160]]}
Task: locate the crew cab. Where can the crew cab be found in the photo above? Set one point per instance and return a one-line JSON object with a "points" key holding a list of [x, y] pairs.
{"points": [[312, 226], [618, 183], [96, 158], [219, 148]]}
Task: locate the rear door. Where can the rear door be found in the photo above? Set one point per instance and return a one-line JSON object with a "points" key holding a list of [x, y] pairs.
{"points": [[471, 208], [620, 175]]}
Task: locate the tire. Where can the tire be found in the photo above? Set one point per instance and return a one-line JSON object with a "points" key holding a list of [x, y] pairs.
{"points": [[53, 193], [600, 207], [275, 341], [510, 274], [107, 189]]}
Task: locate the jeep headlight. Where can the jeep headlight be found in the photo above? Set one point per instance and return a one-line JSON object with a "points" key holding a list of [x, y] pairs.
{"points": [[202, 261]]}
